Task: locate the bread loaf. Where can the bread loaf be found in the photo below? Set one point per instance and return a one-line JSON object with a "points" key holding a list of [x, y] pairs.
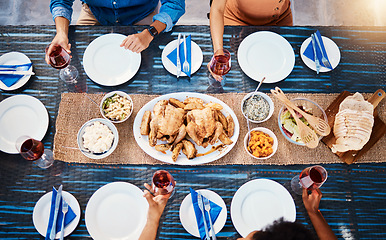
{"points": [[353, 124]]}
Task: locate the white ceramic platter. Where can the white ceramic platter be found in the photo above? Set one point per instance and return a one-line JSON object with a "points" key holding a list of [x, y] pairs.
{"points": [[143, 140]]}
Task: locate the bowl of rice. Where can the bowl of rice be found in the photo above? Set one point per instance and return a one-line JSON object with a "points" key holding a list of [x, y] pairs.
{"points": [[97, 138], [116, 106]]}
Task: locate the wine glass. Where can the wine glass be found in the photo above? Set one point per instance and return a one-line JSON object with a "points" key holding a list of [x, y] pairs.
{"points": [[59, 58], [33, 150], [163, 183], [220, 64], [310, 178]]}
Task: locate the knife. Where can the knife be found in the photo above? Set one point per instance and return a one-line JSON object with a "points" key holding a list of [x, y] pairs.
{"points": [[57, 205], [17, 72], [178, 56], [317, 64], [201, 206]]}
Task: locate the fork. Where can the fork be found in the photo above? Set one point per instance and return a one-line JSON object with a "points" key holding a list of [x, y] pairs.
{"points": [[207, 208], [185, 66], [64, 211], [324, 59], [200, 205]]}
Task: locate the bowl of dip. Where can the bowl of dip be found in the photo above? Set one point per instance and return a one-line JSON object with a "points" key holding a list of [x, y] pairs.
{"points": [[257, 109]]}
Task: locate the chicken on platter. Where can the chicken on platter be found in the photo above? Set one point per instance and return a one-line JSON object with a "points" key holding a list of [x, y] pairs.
{"points": [[182, 125]]}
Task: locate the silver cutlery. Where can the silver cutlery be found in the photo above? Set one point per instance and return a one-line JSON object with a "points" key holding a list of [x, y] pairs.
{"points": [[317, 64], [324, 59], [201, 206], [17, 72], [57, 205], [207, 208], [185, 66], [64, 211], [178, 56]]}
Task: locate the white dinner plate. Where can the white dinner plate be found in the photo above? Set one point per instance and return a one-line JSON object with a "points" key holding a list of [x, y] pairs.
{"points": [[188, 217], [332, 51], [258, 203], [116, 211], [196, 63], [108, 64], [41, 213], [143, 140], [21, 115], [15, 58], [266, 54]]}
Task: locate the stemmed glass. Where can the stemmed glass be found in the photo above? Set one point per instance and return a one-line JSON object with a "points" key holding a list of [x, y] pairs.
{"points": [[33, 150], [220, 64], [59, 58], [310, 178], [163, 183]]}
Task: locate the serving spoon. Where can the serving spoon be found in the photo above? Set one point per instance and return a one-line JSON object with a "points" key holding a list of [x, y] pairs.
{"points": [[307, 135], [320, 126]]}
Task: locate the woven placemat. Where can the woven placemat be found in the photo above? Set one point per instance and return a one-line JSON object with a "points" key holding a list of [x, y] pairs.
{"points": [[75, 109]]}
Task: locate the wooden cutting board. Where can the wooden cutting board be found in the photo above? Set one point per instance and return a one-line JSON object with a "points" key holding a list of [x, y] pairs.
{"points": [[379, 128]]}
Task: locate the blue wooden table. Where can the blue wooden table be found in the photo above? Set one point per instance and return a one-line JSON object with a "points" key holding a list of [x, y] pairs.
{"points": [[353, 196]]}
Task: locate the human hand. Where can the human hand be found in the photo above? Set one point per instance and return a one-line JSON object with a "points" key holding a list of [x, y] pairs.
{"points": [[137, 42], [157, 203], [311, 201], [215, 76], [61, 40]]}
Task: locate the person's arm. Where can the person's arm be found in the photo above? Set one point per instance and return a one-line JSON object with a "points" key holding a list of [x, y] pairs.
{"points": [[217, 28], [170, 12], [61, 11], [311, 203], [217, 23], [156, 207], [140, 41]]}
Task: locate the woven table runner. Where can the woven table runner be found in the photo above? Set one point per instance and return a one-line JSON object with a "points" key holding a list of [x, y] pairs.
{"points": [[75, 109]]}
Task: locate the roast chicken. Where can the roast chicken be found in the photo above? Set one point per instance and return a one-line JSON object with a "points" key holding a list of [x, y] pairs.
{"points": [[173, 121]]}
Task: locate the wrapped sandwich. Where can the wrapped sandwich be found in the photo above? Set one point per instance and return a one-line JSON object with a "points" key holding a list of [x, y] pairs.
{"points": [[353, 124]]}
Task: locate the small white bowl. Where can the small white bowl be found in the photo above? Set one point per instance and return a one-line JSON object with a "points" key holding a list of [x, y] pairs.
{"points": [[266, 97], [87, 152], [264, 130], [120, 93]]}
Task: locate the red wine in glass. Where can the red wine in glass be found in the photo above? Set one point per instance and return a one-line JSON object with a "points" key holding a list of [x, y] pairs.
{"points": [[163, 182], [310, 178], [59, 58], [220, 64], [32, 149]]}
